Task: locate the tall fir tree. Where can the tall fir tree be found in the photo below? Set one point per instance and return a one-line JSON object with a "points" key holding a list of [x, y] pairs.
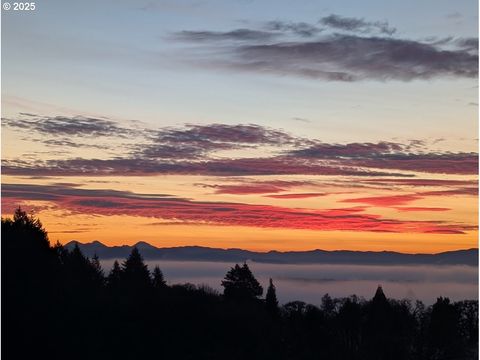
{"points": [[98, 275], [114, 277], [158, 281], [135, 273], [271, 301]]}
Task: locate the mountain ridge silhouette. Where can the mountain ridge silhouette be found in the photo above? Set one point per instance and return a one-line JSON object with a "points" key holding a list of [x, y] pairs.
{"points": [[201, 253]]}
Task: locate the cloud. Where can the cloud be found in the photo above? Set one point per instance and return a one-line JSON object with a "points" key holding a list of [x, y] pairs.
{"points": [[441, 163], [76, 126], [258, 187], [215, 167], [421, 182], [367, 52], [410, 209], [351, 150], [301, 119], [353, 58], [298, 28], [201, 150], [357, 24], [385, 201], [196, 141], [110, 202], [67, 143], [237, 35], [403, 199], [394, 156], [295, 196]]}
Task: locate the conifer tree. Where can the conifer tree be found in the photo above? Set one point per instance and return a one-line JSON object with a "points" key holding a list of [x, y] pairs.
{"points": [[240, 284], [135, 273], [158, 280], [114, 276], [98, 275], [271, 301]]}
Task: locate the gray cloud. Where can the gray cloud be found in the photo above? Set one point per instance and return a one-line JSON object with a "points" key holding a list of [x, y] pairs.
{"points": [[357, 24], [393, 156], [195, 141], [298, 28], [69, 126], [352, 58], [193, 150], [220, 167], [369, 52], [238, 35], [67, 143]]}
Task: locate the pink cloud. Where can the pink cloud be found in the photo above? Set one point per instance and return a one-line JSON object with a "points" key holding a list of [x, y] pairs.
{"points": [[295, 196], [110, 202], [422, 209]]}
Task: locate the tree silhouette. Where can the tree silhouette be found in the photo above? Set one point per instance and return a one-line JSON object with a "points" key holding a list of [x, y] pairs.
{"points": [[114, 277], [444, 329], [31, 285], [98, 275], [158, 280], [328, 306], [50, 293], [240, 284], [135, 274], [271, 301]]}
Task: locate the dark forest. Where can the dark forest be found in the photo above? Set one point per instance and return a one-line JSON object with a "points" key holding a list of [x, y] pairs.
{"points": [[59, 304]]}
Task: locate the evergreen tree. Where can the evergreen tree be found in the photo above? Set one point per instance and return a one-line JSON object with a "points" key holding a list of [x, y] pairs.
{"points": [[114, 277], [271, 301], [85, 273], [158, 280], [135, 273], [379, 298], [240, 284], [98, 275]]}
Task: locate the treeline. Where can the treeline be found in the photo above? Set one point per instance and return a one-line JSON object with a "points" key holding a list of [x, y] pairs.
{"points": [[59, 304]]}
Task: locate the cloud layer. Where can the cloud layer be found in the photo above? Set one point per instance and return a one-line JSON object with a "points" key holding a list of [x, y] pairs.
{"points": [[210, 150], [336, 48], [110, 202]]}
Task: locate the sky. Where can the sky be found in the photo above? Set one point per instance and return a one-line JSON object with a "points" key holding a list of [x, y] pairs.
{"points": [[263, 125]]}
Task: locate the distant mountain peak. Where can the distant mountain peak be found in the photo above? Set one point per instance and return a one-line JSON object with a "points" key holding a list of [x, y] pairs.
{"points": [[144, 245], [317, 256]]}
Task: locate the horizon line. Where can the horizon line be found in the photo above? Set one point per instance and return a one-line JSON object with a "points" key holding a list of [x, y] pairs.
{"points": [[266, 252]]}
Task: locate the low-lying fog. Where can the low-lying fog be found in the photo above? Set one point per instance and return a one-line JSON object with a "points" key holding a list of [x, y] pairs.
{"points": [[310, 282]]}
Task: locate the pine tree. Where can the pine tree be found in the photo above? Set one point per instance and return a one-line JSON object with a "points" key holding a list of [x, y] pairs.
{"points": [[135, 273], [158, 280], [98, 275], [379, 297], [240, 284], [114, 277], [271, 301]]}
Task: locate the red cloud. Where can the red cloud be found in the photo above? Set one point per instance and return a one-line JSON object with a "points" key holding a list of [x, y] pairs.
{"points": [[385, 201], [403, 199], [422, 209], [421, 182], [109, 202], [295, 196]]}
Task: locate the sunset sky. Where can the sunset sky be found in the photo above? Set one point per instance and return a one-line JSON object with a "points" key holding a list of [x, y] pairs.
{"points": [[263, 125]]}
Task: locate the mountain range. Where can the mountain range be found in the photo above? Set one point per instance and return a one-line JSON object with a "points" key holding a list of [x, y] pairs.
{"points": [[197, 253]]}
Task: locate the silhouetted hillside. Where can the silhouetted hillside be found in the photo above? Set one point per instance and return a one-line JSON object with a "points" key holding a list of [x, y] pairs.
{"points": [[198, 253], [58, 303]]}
